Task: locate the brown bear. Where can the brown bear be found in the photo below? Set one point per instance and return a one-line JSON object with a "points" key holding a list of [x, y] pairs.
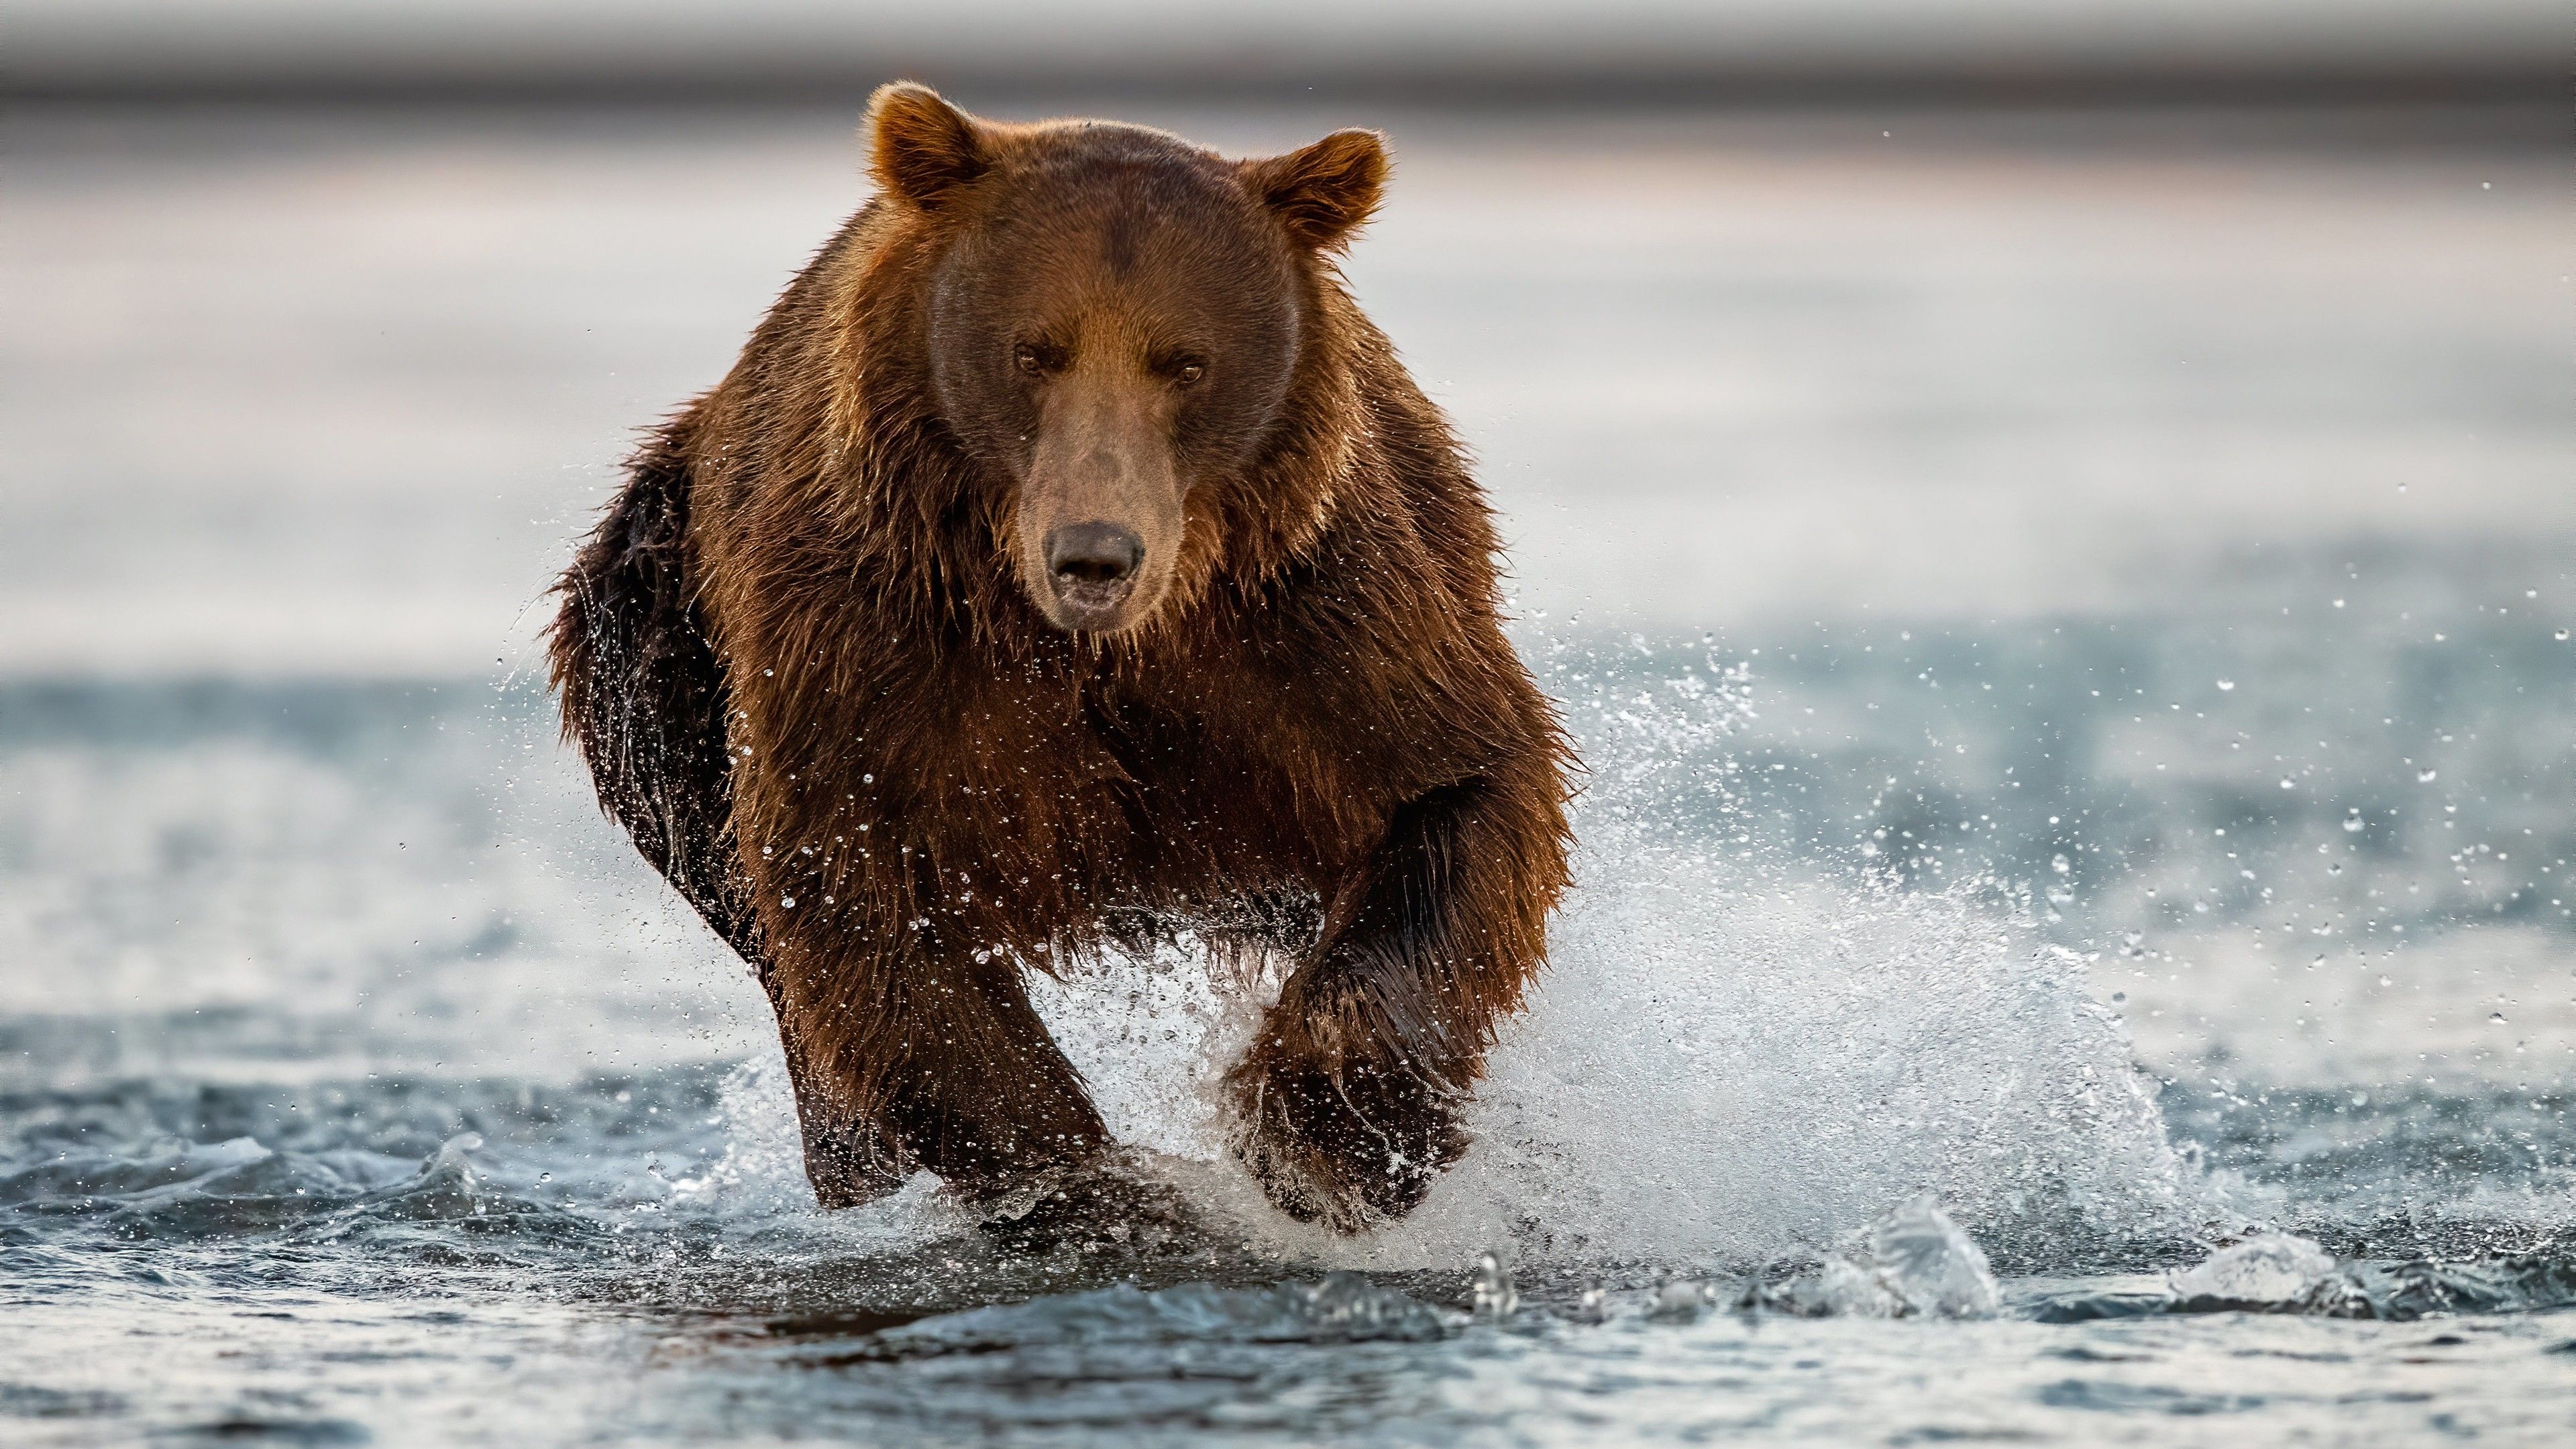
{"points": [[1068, 565]]}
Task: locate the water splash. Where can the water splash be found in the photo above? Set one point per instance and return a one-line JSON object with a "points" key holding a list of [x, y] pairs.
{"points": [[2275, 1268], [2282, 1273], [1912, 1263], [759, 1176], [1726, 1058]]}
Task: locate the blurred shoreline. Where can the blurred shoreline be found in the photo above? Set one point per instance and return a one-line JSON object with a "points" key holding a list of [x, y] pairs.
{"points": [[322, 390], [2252, 124], [1486, 54], [2474, 84]]}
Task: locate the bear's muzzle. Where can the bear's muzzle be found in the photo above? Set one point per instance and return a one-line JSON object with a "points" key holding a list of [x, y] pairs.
{"points": [[1092, 569]]}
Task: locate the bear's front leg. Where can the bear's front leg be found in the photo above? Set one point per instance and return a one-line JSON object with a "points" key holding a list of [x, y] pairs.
{"points": [[922, 1057], [1347, 1104]]}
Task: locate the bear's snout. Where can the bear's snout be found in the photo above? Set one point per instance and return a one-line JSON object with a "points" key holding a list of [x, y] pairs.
{"points": [[1100, 514], [1092, 566], [1092, 554]]}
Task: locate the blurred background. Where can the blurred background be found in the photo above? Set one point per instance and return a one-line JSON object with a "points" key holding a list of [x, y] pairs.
{"points": [[2128, 444]]}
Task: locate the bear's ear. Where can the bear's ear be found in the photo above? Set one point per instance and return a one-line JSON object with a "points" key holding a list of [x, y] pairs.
{"points": [[1324, 192], [920, 147]]}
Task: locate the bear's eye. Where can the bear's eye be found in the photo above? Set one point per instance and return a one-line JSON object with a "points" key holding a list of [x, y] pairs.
{"points": [[1034, 359], [1189, 372]]}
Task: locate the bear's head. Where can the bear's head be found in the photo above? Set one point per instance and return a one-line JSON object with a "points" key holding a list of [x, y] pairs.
{"points": [[1114, 320]]}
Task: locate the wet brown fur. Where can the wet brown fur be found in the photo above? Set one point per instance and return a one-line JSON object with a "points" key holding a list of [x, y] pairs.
{"points": [[802, 659]]}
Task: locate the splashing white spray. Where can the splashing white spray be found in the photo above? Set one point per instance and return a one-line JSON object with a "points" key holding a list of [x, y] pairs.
{"points": [[1726, 1059]]}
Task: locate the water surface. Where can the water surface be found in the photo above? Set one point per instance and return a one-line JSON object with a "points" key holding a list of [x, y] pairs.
{"points": [[358, 1087]]}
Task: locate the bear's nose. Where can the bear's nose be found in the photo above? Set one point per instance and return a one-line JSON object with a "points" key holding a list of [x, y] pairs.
{"points": [[1092, 553]]}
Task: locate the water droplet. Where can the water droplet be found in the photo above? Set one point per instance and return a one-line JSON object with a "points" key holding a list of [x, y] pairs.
{"points": [[2352, 823], [2425, 777], [1679, 1298], [2226, 684], [2061, 864], [1492, 1293], [2496, 1017], [787, 902], [2562, 634], [2118, 997], [1592, 1305]]}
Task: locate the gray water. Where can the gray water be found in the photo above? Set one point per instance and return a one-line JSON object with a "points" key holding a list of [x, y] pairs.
{"points": [[364, 1090], [2071, 941]]}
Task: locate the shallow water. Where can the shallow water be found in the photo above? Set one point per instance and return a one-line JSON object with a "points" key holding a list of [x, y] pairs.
{"points": [[357, 1086]]}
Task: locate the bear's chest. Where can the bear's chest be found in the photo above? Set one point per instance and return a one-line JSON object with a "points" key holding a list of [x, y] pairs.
{"points": [[1229, 764], [1183, 784]]}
